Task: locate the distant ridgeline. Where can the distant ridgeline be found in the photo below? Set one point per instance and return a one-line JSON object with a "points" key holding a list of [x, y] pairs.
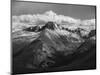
{"points": [[52, 25]]}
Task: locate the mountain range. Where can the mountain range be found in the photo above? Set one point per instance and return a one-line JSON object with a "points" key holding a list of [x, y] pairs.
{"points": [[52, 42]]}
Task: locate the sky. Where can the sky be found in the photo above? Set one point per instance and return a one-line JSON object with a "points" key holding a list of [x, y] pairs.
{"points": [[76, 11]]}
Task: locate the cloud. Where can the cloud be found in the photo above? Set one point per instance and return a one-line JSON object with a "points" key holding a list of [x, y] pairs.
{"points": [[51, 16], [89, 22], [47, 16], [41, 19]]}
